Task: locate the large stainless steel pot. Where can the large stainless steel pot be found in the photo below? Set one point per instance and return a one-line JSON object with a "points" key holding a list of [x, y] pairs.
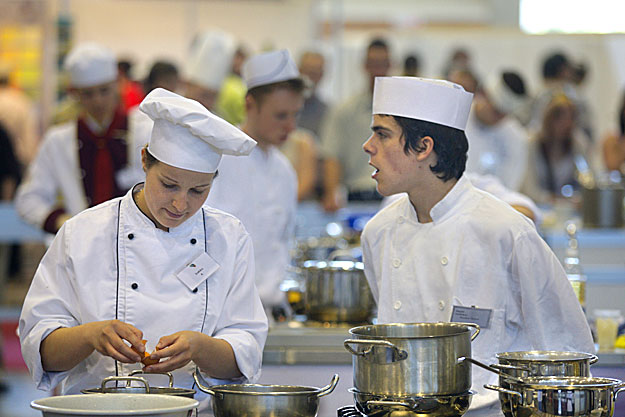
{"points": [[540, 363], [147, 405], [144, 387], [563, 396], [412, 359], [602, 206], [337, 291], [254, 400], [436, 405]]}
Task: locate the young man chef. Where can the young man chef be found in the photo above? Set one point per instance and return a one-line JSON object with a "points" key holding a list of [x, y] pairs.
{"points": [[80, 161], [447, 251], [261, 189]]}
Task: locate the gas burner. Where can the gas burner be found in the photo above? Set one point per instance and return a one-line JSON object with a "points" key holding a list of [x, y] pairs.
{"points": [[349, 411]]}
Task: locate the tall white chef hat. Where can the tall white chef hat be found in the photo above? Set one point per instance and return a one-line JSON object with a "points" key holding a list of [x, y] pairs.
{"points": [[501, 94], [90, 64], [210, 59], [269, 68], [436, 101], [186, 135]]}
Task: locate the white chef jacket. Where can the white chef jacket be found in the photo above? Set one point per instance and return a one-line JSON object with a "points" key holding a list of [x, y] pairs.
{"points": [[111, 262], [477, 251], [55, 172], [261, 191], [500, 150]]}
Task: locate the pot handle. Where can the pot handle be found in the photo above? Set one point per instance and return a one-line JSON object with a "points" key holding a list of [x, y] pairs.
{"points": [[619, 388], [140, 372], [202, 387], [391, 403], [476, 327], [502, 367], [593, 359], [399, 354], [329, 388], [502, 390], [125, 378], [489, 368]]}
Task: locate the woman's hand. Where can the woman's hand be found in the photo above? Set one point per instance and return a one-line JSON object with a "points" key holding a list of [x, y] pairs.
{"points": [[179, 348], [107, 337]]}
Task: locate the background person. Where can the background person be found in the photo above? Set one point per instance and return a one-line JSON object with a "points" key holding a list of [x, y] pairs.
{"points": [[261, 189], [447, 246], [79, 162], [343, 163], [155, 264]]}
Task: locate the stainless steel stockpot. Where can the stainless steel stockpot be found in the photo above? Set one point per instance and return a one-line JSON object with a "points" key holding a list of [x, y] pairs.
{"points": [[412, 359], [540, 363], [562, 396], [337, 291], [254, 400], [436, 405]]}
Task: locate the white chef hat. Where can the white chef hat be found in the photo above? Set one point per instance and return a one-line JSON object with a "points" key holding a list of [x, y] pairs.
{"points": [[268, 68], [186, 135], [210, 59], [501, 95], [90, 64], [436, 101]]}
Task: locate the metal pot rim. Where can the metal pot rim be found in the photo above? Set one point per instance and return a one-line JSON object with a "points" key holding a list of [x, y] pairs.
{"points": [[130, 390], [559, 356], [569, 383], [239, 389], [461, 326]]}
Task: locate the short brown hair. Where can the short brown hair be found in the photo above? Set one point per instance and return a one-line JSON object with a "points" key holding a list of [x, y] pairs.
{"points": [[258, 93]]}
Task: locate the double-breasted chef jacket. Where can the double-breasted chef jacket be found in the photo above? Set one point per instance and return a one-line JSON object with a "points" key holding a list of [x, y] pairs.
{"points": [[477, 251], [111, 262], [261, 191]]}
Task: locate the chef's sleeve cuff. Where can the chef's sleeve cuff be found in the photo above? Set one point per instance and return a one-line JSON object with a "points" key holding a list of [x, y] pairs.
{"points": [[49, 225]]}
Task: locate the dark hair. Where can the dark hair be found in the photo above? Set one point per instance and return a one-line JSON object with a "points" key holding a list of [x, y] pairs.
{"points": [[377, 43], [258, 93], [411, 65], [450, 145], [159, 70], [554, 64], [514, 82]]}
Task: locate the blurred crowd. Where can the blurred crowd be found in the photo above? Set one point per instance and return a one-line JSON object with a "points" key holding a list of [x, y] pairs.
{"points": [[540, 142]]}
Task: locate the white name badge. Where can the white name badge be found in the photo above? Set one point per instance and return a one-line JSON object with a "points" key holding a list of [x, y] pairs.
{"points": [[196, 271], [479, 316]]}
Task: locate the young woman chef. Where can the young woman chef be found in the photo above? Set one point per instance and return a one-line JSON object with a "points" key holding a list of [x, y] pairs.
{"points": [[155, 264]]}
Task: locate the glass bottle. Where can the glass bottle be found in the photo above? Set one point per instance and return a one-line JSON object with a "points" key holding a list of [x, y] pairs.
{"points": [[572, 265]]}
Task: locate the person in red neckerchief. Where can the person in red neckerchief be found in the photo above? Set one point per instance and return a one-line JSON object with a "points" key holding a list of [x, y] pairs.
{"points": [[131, 93], [79, 162]]}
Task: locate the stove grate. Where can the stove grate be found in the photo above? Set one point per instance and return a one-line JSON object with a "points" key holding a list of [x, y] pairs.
{"points": [[349, 411]]}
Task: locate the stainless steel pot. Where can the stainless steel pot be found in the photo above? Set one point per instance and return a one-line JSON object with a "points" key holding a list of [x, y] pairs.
{"points": [[337, 291], [144, 388], [540, 363], [436, 405], [254, 400], [412, 359], [602, 206], [563, 396], [115, 405]]}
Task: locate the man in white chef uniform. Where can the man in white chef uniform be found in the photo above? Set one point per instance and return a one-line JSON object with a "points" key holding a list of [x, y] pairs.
{"points": [[447, 249], [155, 264], [80, 163], [261, 189]]}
